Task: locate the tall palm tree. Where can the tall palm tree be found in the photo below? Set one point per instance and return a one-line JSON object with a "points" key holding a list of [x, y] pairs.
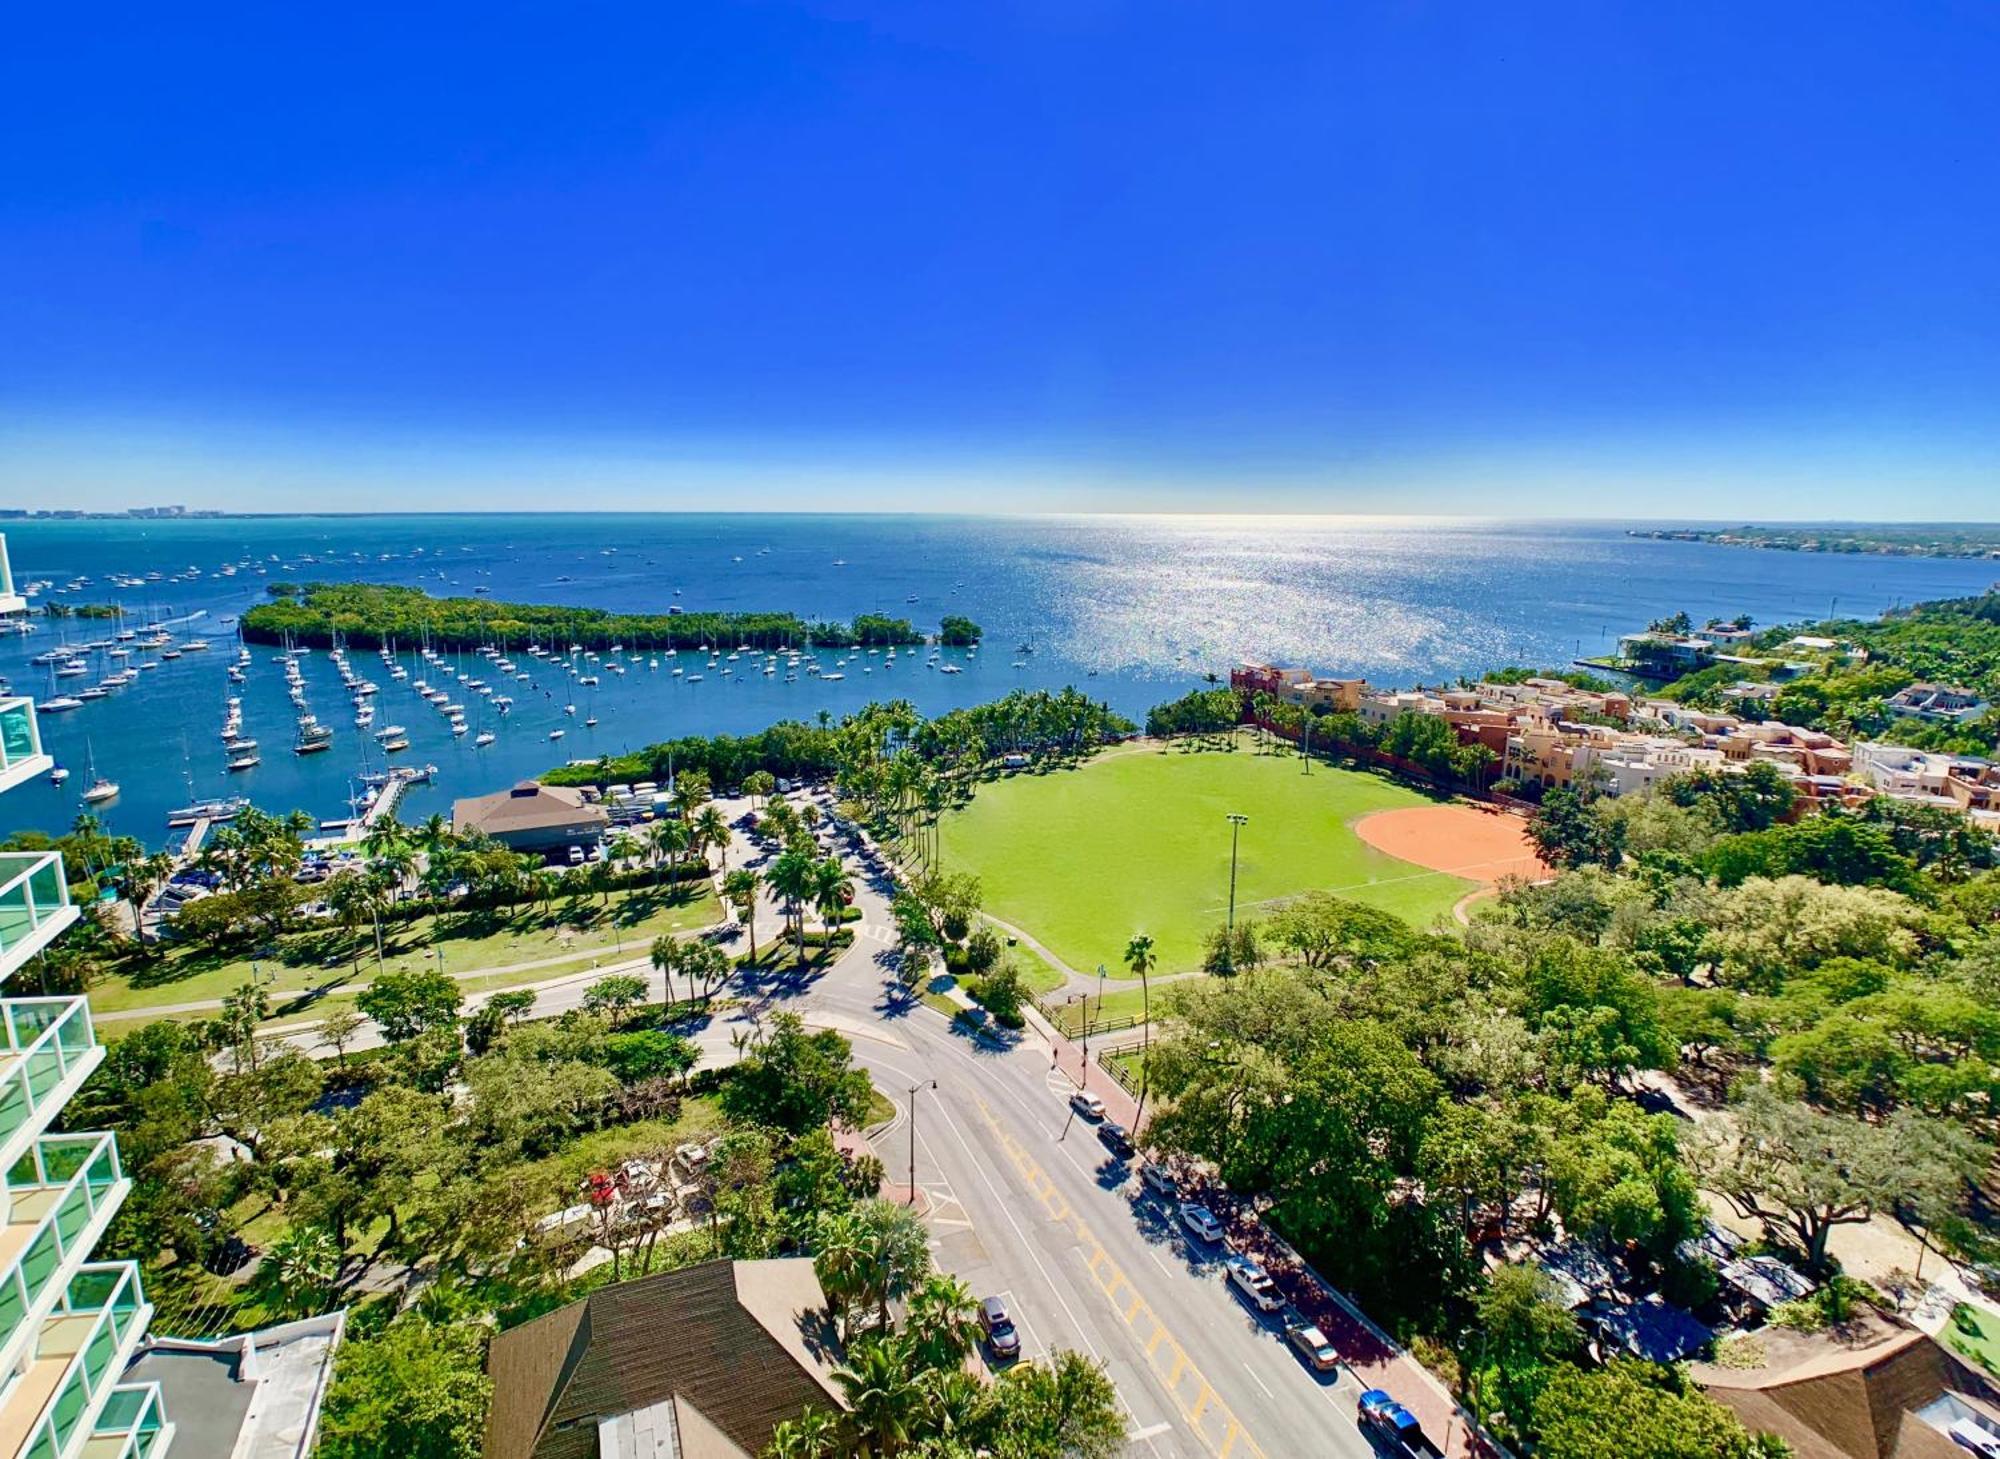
{"points": [[1139, 958], [792, 877], [832, 890], [713, 830], [739, 889], [840, 1259], [624, 847], [434, 833], [669, 838]]}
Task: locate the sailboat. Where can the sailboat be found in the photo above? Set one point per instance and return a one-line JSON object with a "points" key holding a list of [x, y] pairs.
{"points": [[100, 789]]}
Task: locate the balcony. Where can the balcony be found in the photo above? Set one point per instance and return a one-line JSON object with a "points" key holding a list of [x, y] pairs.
{"points": [[61, 1194], [57, 1405], [34, 905], [21, 754], [133, 1425], [47, 1049]]}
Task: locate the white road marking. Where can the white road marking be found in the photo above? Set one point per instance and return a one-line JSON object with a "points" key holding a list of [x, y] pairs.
{"points": [[1258, 1381]]}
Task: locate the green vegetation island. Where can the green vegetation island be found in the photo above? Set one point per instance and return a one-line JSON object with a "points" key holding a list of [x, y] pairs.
{"points": [[1968, 540], [369, 615]]}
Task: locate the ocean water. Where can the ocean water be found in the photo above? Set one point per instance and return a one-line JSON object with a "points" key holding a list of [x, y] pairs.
{"points": [[1131, 609]]}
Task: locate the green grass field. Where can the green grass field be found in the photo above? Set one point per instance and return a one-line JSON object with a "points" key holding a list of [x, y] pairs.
{"points": [[561, 938], [1137, 841]]}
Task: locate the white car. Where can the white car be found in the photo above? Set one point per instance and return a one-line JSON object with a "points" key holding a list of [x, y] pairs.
{"points": [[1158, 1179], [1201, 1222], [1250, 1279], [1311, 1343], [1087, 1104]]}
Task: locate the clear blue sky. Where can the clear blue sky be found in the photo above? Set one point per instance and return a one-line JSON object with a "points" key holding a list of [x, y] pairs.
{"points": [[1694, 259]]}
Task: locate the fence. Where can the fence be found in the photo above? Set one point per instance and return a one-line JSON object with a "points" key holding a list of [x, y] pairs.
{"points": [[1072, 1019]]}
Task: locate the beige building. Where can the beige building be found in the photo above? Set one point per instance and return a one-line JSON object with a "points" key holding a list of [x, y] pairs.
{"points": [[532, 817]]}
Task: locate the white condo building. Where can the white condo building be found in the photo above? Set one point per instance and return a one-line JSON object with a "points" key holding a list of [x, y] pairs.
{"points": [[69, 1324]]}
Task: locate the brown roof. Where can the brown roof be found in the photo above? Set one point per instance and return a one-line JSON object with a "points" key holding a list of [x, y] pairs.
{"points": [[735, 1346], [528, 806], [1849, 1393]]}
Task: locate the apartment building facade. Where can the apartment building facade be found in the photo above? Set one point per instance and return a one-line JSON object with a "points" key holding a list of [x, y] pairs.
{"points": [[69, 1324]]}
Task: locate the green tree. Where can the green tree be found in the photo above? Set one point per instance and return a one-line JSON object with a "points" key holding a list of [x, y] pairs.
{"points": [[417, 1390], [615, 995], [1568, 831], [1803, 1171], [796, 1081], [1065, 1408], [405, 1005], [1633, 1411]]}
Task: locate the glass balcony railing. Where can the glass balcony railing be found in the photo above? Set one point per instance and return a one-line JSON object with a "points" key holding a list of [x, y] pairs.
{"points": [[44, 1039], [34, 904], [84, 1346], [133, 1425], [21, 753], [55, 1194]]}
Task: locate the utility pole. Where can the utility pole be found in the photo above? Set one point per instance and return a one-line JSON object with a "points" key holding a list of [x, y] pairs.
{"points": [[915, 1090], [1237, 822]]}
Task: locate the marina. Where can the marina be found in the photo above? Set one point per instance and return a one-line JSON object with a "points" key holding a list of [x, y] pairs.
{"points": [[228, 721]]}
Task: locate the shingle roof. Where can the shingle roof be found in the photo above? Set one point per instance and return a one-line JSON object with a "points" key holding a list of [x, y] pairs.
{"points": [[527, 806], [736, 1346]]}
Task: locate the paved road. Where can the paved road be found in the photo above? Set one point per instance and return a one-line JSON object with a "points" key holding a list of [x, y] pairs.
{"points": [[1026, 1204]]}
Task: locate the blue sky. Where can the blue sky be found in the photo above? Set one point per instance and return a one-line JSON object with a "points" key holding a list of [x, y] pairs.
{"points": [[1640, 259]]}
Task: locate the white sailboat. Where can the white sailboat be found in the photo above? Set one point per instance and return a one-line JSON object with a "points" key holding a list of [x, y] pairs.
{"points": [[100, 789]]}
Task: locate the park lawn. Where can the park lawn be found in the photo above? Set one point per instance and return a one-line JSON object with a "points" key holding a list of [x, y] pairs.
{"points": [[562, 937], [1976, 1334], [1081, 859]]}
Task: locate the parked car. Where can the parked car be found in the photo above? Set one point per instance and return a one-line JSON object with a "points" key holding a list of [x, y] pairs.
{"points": [[1384, 1419], [1087, 1104], [1201, 1222], [1112, 1136], [1304, 1334], [999, 1329], [1158, 1179], [1254, 1283], [576, 856]]}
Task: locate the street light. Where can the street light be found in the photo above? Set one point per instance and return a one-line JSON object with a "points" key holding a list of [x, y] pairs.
{"points": [[1237, 822], [914, 1091]]}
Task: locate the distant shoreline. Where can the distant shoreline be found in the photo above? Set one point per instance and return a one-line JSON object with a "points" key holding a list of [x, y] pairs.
{"points": [[1838, 542]]}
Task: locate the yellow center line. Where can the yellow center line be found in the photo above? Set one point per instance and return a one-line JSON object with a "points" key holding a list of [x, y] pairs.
{"points": [[1206, 1413]]}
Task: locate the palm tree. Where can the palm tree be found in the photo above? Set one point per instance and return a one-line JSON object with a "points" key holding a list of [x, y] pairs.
{"points": [[143, 876], [670, 838], [792, 877], [840, 1260], [434, 833], [666, 958], [302, 1266], [624, 847], [713, 830], [739, 889], [814, 1434], [832, 890], [883, 1398], [943, 1322], [1139, 958]]}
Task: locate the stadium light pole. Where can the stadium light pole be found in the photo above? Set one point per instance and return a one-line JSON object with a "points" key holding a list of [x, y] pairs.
{"points": [[1237, 821]]}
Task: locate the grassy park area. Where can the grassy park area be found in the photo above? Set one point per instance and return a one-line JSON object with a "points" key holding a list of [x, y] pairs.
{"points": [[559, 937], [1139, 842]]}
